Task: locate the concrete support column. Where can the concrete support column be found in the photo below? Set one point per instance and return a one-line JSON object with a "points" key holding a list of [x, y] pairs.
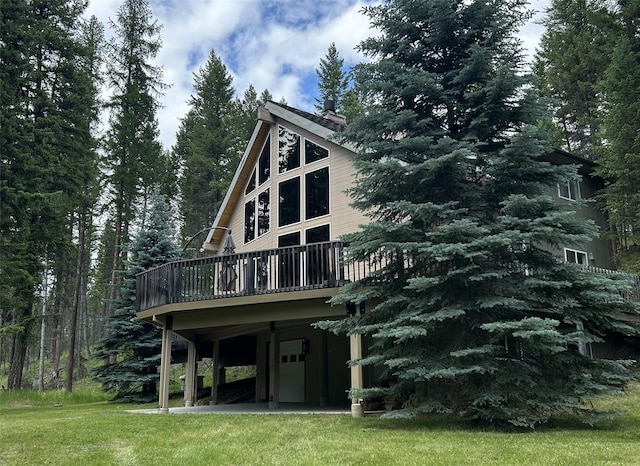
{"points": [[190, 380], [356, 373], [274, 369], [165, 365], [216, 373]]}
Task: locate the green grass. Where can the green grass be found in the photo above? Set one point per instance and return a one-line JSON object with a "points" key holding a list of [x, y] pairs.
{"points": [[86, 430]]}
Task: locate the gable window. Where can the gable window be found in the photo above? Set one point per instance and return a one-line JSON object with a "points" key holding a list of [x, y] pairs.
{"points": [[250, 221], [251, 185], [317, 193], [569, 190], [264, 162], [317, 235], [289, 202], [318, 264], [313, 152], [288, 150], [289, 260], [263, 212], [576, 257], [257, 216]]}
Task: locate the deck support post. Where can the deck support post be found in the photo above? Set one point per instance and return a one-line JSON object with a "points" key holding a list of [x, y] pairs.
{"points": [[355, 342], [165, 365], [190, 379], [215, 380], [274, 368]]}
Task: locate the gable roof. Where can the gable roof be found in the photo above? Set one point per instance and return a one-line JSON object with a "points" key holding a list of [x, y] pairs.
{"points": [[321, 126]]}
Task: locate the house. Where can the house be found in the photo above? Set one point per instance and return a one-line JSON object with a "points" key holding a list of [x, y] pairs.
{"points": [[277, 260]]}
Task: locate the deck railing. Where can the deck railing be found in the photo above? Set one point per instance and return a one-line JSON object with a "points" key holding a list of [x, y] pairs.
{"points": [[295, 268]]}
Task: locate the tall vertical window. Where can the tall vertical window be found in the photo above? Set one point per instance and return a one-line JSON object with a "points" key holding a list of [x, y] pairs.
{"points": [[263, 212], [250, 221], [317, 193], [289, 202], [264, 162], [288, 150]]}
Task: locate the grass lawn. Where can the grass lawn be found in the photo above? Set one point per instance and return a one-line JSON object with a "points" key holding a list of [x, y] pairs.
{"points": [[88, 432]]}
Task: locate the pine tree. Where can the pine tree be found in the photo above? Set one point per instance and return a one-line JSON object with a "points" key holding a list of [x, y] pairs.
{"points": [[85, 200], [206, 146], [41, 135], [132, 343], [132, 146], [470, 313], [332, 80], [574, 53], [620, 162]]}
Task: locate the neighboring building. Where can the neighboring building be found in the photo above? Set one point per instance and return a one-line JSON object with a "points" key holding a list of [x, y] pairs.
{"points": [[278, 260]]}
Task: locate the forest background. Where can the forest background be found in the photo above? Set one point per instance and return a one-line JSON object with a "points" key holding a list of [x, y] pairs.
{"points": [[83, 165]]}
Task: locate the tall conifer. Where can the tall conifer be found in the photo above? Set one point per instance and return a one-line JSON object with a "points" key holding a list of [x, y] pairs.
{"points": [[134, 345], [206, 146], [332, 80], [470, 312], [132, 146]]}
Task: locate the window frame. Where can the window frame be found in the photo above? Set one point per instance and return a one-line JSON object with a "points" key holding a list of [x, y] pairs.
{"points": [[300, 146], [315, 144], [305, 196], [572, 188], [577, 253]]}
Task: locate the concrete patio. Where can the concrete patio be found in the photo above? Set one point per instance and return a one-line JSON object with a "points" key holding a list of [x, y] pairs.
{"points": [[249, 408]]}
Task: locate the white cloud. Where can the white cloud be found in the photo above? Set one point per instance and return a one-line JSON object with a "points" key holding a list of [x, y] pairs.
{"points": [[272, 44]]}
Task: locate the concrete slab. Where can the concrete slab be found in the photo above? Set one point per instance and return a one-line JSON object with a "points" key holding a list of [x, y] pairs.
{"points": [[248, 408]]}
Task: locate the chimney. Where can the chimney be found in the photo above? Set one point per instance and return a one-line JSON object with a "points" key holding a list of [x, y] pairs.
{"points": [[329, 106], [329, 112]]}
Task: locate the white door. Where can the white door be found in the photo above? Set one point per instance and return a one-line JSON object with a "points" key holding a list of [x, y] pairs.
{"points": [[291, 371]]}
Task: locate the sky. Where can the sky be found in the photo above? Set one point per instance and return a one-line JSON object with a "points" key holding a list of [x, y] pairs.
{"points": [[272, 44]]}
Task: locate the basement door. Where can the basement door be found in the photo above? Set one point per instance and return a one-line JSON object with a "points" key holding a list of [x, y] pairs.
{"points": [[291, 371]]}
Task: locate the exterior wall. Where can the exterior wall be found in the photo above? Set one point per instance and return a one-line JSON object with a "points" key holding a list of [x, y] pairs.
{"points": [[342, 217], [335, 354], [598, 249]]}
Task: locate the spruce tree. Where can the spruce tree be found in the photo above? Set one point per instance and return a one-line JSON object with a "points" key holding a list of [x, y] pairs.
{"points": [[470, 312], [332, 80], [132, 343]]}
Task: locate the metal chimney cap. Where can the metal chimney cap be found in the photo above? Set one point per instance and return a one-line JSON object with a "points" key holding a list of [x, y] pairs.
{"points": [[329, 105]]}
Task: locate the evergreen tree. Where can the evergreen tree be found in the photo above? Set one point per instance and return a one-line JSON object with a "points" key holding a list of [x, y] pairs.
{"points": [[132, 146], [470, 313], [41, 134], [574, 53], [620, 162], [206, 146], [246, 113], [86, 93], [132, 343], [332, 81]]}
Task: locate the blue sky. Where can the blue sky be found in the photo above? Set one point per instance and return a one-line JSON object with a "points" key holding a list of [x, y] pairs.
{"points": [[272, 44]]}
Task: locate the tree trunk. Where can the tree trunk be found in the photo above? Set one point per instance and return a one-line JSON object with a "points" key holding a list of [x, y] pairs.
{"points": [[77, 290]]}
